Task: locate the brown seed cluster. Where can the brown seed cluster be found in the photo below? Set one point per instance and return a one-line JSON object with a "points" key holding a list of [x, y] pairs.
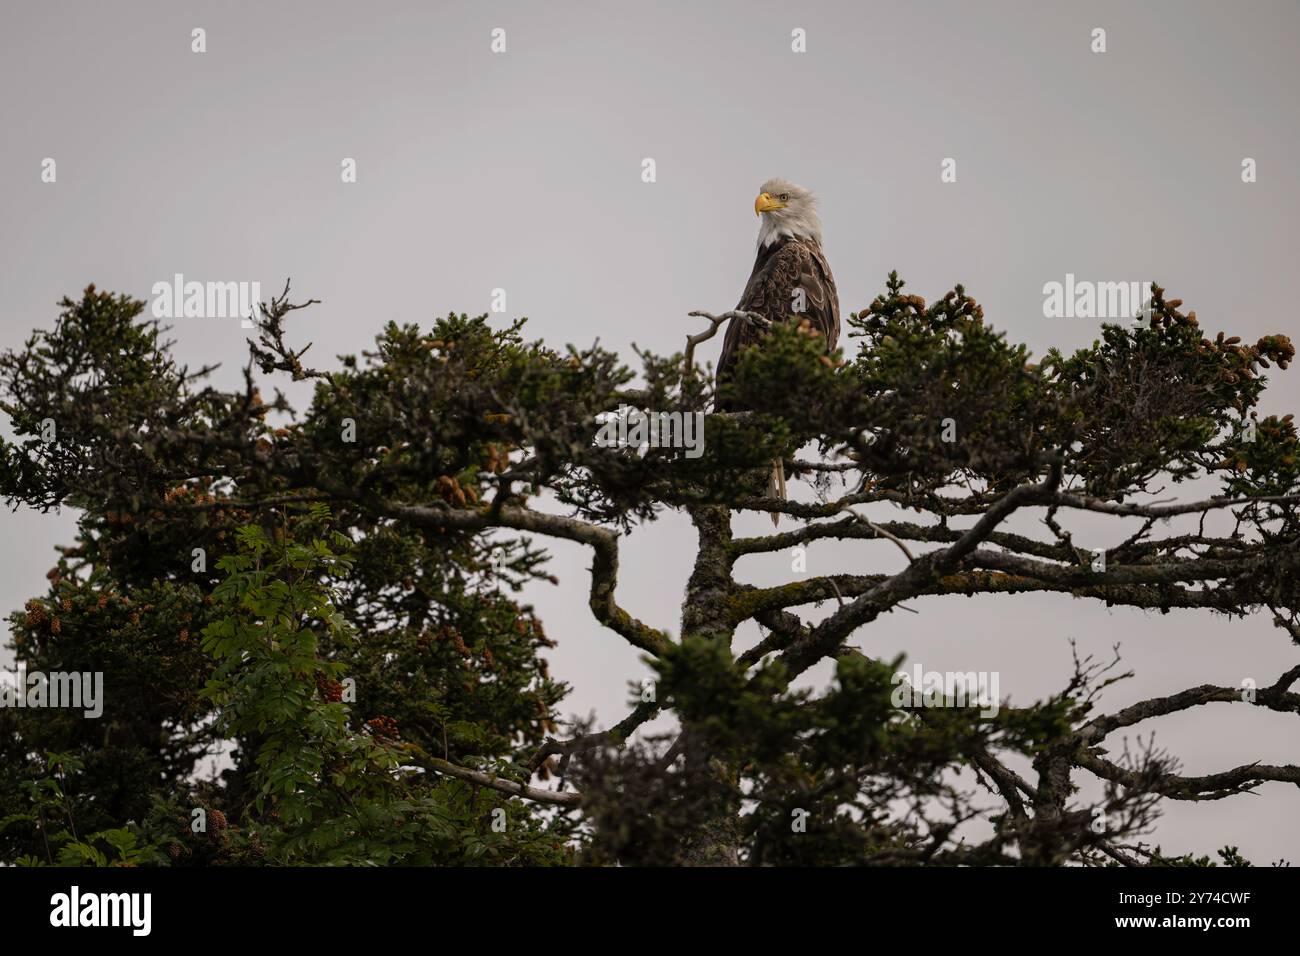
{"points": [[498, 459], [36, 615], [453, 492], [180, 492], [1277, 430], [329, 688]]}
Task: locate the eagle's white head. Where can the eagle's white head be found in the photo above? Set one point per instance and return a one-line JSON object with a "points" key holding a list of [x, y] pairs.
{"points": [[786, 209]]}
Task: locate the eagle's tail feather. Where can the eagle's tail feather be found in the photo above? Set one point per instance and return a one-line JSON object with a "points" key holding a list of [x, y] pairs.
{"points": [[776, 486]]}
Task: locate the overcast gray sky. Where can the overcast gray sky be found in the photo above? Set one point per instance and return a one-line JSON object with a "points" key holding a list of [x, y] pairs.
{"points": [[522, 171]]}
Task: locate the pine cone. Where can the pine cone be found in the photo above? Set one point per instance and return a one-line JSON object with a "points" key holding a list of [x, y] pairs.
{"points": [[383, 728]]}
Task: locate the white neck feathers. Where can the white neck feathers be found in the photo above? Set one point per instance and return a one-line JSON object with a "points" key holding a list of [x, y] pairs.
{"points": [[803, 225]]}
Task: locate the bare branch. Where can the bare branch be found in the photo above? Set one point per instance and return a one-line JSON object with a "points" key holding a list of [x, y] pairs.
{"points": [[604, 571], [880, 532], [714, 322], [500, 784]]}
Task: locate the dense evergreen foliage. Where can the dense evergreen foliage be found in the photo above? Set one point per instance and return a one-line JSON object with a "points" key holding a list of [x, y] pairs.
{"points": [[313, 651]]}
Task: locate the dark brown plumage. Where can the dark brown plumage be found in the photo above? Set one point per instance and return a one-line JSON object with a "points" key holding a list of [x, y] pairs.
{"points": [[787, 264]]}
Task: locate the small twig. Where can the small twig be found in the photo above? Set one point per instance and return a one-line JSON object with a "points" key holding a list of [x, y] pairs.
{"points": [[838, 596], [277, 356], [879, 532], [499, 784], [714, 322]]}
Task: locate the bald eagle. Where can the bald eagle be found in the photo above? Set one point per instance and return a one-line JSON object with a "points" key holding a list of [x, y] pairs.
{"points": [[791, 281]]}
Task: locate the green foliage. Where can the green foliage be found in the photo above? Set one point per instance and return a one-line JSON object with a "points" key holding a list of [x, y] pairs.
{"points": [[841, 760], [449, 661], [303, 618]]}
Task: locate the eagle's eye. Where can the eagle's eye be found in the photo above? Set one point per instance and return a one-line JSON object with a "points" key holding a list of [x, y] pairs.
{"points": [[785, 197]]}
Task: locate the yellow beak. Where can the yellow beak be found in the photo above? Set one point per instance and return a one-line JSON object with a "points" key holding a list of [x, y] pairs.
{"points": [[765, 203]]}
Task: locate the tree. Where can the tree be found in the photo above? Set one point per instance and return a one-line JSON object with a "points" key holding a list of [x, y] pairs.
{"points": [[383, 512]]}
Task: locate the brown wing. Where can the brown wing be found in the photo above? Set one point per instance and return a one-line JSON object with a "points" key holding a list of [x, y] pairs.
{"points": [[779, 270]]}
